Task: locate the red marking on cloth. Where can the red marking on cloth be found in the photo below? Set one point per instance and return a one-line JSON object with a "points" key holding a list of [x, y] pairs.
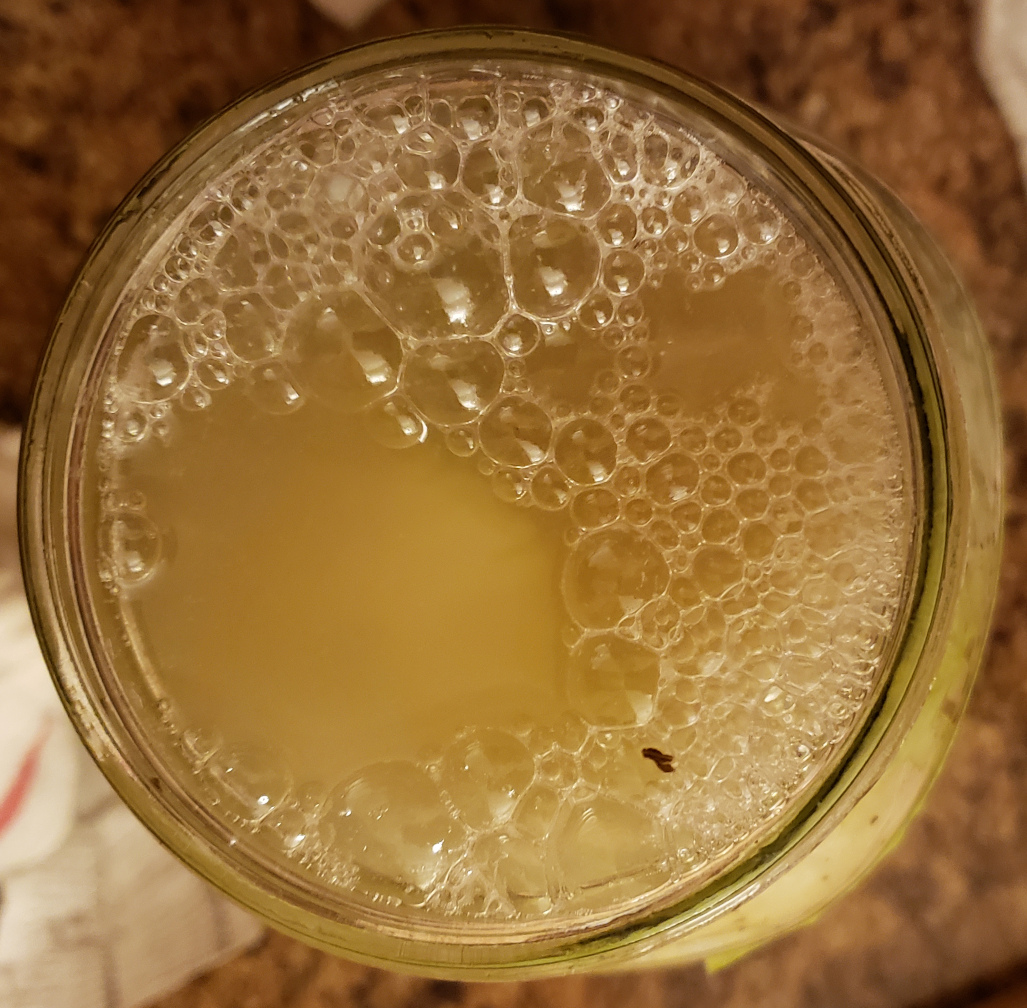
{"points": [[12, 801]]}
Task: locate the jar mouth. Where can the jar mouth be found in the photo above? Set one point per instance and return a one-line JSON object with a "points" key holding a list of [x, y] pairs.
{"points": [[50, 492]]}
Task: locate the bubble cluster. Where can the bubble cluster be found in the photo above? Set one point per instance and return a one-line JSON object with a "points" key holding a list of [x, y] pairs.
{"points": [[474, 262]]}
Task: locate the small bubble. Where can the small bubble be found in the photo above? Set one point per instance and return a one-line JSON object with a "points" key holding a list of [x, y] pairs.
{"points": [[394, 423], [655, 221], [686, 594], [638, 511], [787, 515], [571, 181], [630, 311], [717, 568], [590, 117], [389, 119], [586, 451], [810, 461], [617, 225], [550, 489], [596, 312], [689, 206], [317, 146], [558, 766], [195, 299], [676, 242], [672, 478], [214, 374], [461, 441], [384, 229], [664, 164], [719, 525], [555, 262], [248, 783], [521, 874], [664, 534], [195, 398], [475, 117], [250, 328], [518, 335], [613, 337], [759, 223], [670, 405], [725, 185], [391, 816], [635, 398], [441, 113], [606, 844], [792, 290], [133, 545], [659, 621], [744, 412], [342, 352], [628, 480], [152, 365], [607, 382], [484, 772], [777, 701], [802, 265], [429, 161], [415, 250], [746, 467], [537, 810], [647, 438], [593, 508], [515, 432], [534, 110], [454, 380], [131, 424], [716, 490], [811, 495], [611, 574], [293, 824], [285, 286], [620, 158], [623, 272], [211, 224], [510, 485], [752, 502], [178, 267], [716, 236], [273, 388], [633, 361], [487, 178], [612, 682], [727, 439]]}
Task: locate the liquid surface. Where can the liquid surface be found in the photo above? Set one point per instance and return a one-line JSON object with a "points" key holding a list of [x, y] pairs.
{"points": [[501, 498]]}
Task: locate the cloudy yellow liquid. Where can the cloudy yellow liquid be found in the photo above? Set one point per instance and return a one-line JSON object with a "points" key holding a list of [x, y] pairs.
{"points": [[507, 506]]}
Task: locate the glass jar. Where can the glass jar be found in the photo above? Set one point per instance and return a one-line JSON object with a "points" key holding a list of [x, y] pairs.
{"points": [[858, 807]]}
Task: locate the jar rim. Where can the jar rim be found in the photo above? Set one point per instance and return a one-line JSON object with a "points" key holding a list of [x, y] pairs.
{"points": [[47, 489]]}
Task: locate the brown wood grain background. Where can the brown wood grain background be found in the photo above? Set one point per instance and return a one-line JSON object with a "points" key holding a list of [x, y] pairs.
{"points": [[93, 91]]}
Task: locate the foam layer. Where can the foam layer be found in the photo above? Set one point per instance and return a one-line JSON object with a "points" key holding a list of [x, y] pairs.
{"points": [[618, 331]]}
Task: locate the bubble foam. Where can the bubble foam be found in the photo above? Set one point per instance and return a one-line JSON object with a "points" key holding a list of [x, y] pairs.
{"points": [[481, 262]]}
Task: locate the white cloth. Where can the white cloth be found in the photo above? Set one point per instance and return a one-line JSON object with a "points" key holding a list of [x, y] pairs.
{"points": [[1003, 63], [94, 913]]}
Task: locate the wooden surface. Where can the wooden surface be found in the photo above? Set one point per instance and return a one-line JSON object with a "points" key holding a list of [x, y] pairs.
{"points": [[92, 91]]}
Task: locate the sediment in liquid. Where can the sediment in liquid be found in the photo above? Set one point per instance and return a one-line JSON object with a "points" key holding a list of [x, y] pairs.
{"points": [[503, 499]]}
